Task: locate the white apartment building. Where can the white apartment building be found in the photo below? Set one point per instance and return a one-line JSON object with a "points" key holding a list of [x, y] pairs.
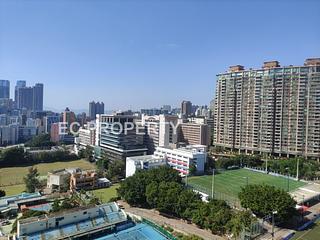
{"points": [[161, 130], [181, 159], [86, 137], [145, 162]]}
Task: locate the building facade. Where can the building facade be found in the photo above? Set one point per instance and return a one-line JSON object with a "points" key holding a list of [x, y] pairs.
{"points": [[193, 133], [4, 89], [19, 84], [48, 121], [272, 110], [95, 108], [184, 158], [29, 98], [145, 162], [161, 130], [117, 139], [186, 108], [37, 97]]}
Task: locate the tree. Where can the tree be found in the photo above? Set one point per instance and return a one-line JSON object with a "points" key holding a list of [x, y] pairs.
{"points": [[167, 196], [214, 215], [102, 164], [42, 140], [226, 162], [240, 221], [192, 169], [31, 180], [116, 170], [13, 156], [55, 206], [87, 153], [133, 189], [2, 193], [264, 199]]}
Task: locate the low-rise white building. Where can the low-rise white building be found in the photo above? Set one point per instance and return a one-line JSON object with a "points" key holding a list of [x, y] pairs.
{"points": [[56, 179], [180, 159], [145, 162], [183, 158]]}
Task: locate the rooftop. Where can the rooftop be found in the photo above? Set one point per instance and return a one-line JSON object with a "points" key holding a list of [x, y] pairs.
{"points": [[4, 201], [272, 64], [109, 214], [146, 158]]}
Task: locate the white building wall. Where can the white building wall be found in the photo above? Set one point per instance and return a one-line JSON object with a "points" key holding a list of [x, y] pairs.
{"points": [[181, 159]]}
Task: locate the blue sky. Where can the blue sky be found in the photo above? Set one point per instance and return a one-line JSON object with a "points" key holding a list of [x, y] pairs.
{"points": [[138, 54]]}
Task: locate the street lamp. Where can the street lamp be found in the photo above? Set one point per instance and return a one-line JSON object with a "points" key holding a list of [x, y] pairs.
{"points": [[273, 213]]}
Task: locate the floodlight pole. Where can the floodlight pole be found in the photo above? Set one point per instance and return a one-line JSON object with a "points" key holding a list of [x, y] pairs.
{"points": [[288, 184], [297, 169], [212, 184]]}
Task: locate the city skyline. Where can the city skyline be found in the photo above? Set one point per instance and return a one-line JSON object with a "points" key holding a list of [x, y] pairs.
{"points": [[161, 52]]}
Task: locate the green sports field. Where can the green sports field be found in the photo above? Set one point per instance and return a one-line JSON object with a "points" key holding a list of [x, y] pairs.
{"points": [[312, 233], [230, 182]]}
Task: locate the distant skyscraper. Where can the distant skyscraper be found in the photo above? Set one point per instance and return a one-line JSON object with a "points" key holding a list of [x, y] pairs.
{"points": [[95, 108], [4, 89], [186, 108], [25, 98], [30, 98], [19, 84], [38, 97]]}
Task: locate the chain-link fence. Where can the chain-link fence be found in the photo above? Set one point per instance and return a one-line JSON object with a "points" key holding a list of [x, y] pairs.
{"points": [[230, 200]]}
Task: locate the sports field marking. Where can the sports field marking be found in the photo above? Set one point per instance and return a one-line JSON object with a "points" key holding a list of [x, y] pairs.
{"points": [[230, 182]]}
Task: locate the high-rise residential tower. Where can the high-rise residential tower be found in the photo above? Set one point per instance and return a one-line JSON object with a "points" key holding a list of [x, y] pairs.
{"points": [[30, 98], [19, 84], [4, 89], [274, 110], [95, 108], [38, 97], [186, 108], [25, 98]]}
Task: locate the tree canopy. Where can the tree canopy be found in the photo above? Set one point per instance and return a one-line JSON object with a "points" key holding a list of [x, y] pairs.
{"points": [[42, 140], [162, 189], [31, 180], [2, 193], [265, 199]]}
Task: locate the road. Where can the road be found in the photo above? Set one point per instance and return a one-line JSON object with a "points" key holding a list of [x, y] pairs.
{"points": [[177, 224]]}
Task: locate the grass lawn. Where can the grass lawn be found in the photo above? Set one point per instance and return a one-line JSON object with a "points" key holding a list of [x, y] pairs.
{"points": [[312, 233], [231, 181], [12, 190], [14, 175], [105, 194]]}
